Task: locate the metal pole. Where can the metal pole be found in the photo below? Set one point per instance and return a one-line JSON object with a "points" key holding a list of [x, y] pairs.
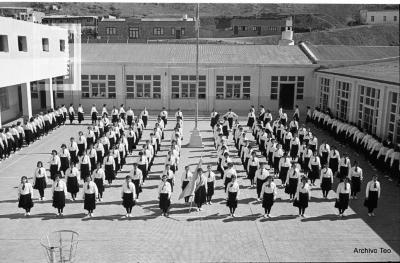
{"points": [[197, 64]]}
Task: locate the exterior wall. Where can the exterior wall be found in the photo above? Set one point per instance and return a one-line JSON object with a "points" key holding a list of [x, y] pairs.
{"points": [[145, 29], [382, 117], [268, 27], [392, 17], [19, 67]]}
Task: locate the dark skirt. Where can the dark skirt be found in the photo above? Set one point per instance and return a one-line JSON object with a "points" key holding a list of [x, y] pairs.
{"points": [[184, 184], [80, 116], [129, 120], [232, 201], [372, 201], [314, 173], [294, 150], [40, 183], [138, 187], [59, 199], [144, 119], [99, 156], [142, 168], [305, 162], [71, 116], [100, 184], [259, 184], [90, 202], [81, 149], [250, 122], [210, 188], [252, 172], [200, 195], [74, 157], [72, 185], [85, 172], [292, 188], [25, 201], [165, 202], [333, 164], [53, 171], [326, 184], [355, 184], [276, 164], [92, 164], [343, 202], [109, 172], [64, 163], [324, 158], [94, 116], [128, 201], [226, 182], [303, 200], [268, 200], [283, 174], [225, 131], [343, 172]]}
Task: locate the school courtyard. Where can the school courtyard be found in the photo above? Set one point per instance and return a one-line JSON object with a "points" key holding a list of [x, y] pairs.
{"points": [[207, 236]]}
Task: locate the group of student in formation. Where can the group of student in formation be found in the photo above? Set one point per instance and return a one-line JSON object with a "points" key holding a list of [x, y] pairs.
{"points": [[292, 151]]}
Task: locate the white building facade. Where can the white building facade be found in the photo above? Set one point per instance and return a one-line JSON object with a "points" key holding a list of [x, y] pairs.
{"points": [[379, 17], [29, 52]]}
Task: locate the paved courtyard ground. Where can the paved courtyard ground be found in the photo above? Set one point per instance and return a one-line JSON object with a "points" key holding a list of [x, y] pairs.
{"points": [[207, 236]]}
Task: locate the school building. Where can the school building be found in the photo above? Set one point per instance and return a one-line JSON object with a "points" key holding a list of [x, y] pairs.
{"points": [[379, 16], [29, 52], [359, 84]]}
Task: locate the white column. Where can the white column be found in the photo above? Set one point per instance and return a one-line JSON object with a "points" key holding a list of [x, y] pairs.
{"points": [[49, 93], [26, 99]]}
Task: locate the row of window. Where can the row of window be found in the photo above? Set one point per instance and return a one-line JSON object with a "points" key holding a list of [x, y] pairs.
{"points": [[133, 32], [98, 86], [258, 28], [23, 44], [143, 86], [384, 18]]}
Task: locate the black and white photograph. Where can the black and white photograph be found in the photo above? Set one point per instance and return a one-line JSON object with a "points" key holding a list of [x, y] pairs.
{"points": [[209, 131]]}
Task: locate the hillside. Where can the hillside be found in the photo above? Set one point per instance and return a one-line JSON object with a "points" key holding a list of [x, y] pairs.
{"points": [[371, 35]]}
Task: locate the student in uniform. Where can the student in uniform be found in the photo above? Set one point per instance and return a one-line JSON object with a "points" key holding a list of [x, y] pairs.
{"points": [[260, 178], [71, 113], [99, 148], [80, 114], [164, 195], [228, 174], [109, 168], [59, 191], [326, 180], [73, 150], [253, 164], [137, 180], [72, 177], [99, 177], [200, 189], [64, 159], [93, 113], [90, 192], [85, 166], [104, 110], [251, 116], [25, 193], [143, 165], [122, 112], [333, 160], [55, 164], [82, 144], [344, 167], [39, 179], [296, 115], [232, 195], [144, 115], [356, 177], [128, 195], [186, 178], [268, 192], [210, 183], [292, 180], [130, 115], [284, 166], [372, 194], [302, 196], [343, 196], [277, 155], [91, 152], [315, 166], [170, 176]]}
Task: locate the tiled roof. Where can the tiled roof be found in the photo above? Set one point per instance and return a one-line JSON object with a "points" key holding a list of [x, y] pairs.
{"points": [[386, 72], [186, 54], [341, 53]]}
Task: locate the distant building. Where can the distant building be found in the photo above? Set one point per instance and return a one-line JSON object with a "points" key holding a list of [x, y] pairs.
{"points": [[88, 23], [245, 27], [141, 30], [379, 17], [22, 13]]}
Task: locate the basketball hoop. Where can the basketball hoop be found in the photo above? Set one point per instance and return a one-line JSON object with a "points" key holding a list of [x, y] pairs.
{"points": [[60, 246]]}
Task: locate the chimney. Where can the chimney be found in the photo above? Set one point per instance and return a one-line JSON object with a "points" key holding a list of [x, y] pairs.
{"points": [[287, 34]]}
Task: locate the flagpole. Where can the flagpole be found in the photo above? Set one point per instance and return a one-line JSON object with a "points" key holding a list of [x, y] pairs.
{"points": [[195, 137]]}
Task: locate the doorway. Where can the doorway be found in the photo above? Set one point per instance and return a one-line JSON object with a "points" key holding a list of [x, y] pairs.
{"points": [[286, 96], [259, 31], [235, 30], [20, 99], [42, 99], [177, 34]]}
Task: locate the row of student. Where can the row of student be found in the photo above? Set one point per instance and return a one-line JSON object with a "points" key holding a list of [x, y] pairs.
{"points": [[383, 154], [13, 138], [131, 189]]}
